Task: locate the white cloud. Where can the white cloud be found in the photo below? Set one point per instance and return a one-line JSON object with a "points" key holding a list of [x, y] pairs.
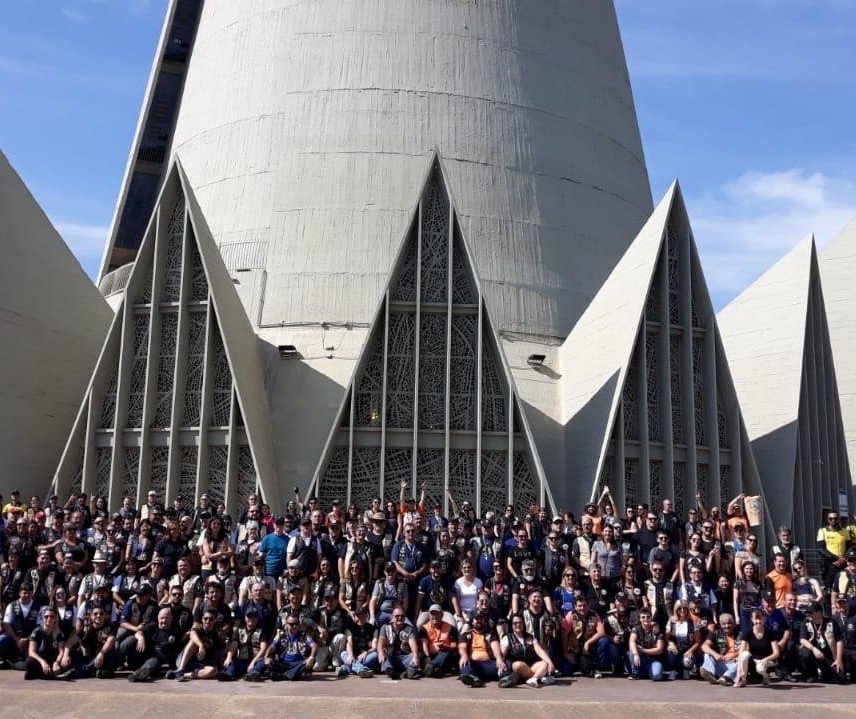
{"points": [[743, 227]]}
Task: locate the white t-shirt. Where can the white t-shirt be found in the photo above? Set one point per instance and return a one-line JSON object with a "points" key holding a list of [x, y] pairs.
{"points": [[468, 594]]}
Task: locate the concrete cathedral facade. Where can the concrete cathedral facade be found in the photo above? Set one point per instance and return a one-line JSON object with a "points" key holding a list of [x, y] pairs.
{"points": [[361, 244]]}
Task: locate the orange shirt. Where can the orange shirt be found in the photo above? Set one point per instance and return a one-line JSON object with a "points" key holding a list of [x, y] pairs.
{"points": [[782, 584], [480, 648]]}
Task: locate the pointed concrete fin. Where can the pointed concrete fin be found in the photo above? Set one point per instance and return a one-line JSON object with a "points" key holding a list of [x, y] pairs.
{"points": [[241, 346], [647, 388], [838, 268], [460, 409], [178, 374], [596, 355], [52, 322], [778, 347], [763, 332]]}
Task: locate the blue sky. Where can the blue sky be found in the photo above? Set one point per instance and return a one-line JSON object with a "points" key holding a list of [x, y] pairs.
{"points": [[750, 103]]}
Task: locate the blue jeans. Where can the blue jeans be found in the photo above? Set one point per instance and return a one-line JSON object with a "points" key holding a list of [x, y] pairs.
{"points": [[484, 670], [719, 668], [609, 655], [648, 667], [397, 664], [369, 662]]}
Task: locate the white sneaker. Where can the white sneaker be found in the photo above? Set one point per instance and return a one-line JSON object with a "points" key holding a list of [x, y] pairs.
{"points": [[533, 683]]}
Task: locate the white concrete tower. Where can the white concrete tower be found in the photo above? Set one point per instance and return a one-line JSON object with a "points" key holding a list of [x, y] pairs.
{"points": [[306, 130]]}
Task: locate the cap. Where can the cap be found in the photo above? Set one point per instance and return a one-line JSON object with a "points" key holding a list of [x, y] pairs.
{"points": [[144, 588], [251, 612], [157, 560], [335, 522], [557, 519], [294, 564], [843, 599], [851, 553], [768, 596], [99, 557], [620, 595], [104, 587], [258, 562], [435, 608], [330, 594], [388, 566], [295, 589], [15, 491], [814, 607], [279, 520], [378, 517], [224, 559], [361, 611], [44, 553]]}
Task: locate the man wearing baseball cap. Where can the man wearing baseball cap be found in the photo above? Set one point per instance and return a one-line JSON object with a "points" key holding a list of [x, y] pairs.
{"points": [[439, 641]]}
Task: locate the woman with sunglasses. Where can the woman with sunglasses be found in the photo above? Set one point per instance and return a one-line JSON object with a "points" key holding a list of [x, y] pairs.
{"points": [[565, 595], [807, 588], [683, 642], [523, 654], [64, 611]]}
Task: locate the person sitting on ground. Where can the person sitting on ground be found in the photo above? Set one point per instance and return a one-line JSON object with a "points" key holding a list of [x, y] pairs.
{"points": [[47, 654], [397, 647], [646, 651], [524, 655], [759, 646], [721, 652], [439, 639], [203, 656], [480, 655]]}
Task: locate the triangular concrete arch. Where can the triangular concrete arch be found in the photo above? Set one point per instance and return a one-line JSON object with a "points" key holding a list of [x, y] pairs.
{"points": [[777, 340], [186, 370], [463, 446], [648, 403]]}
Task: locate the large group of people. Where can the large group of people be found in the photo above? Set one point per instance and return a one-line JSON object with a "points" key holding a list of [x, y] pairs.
{"points": [[400, 589]]}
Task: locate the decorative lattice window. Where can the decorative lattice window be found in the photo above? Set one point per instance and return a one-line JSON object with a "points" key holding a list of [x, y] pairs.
{"points": [[145, 297], [401, 369], [722, 424], [430, 467], [218, 458], [369, 395], [696, 318], [462, 475], [435, 246], [139, 362], [166, 369], [494, 407], [108, 407], [655, 481], [172, 267], [652, 357], [631, 481], [159, 469], [494, 481], [222, 386], [195, 369], [187, 471], [675, 384], [702, 486], [724, 483], [463, 290], [698, 391], [462, 386], [432, 371], [404, 288], [652, 306], [630, 403], [247, 480], [526, 489], [131, 472], [198, 280], [103, 458], [398, 466], [679, 474], [334, 482], [674, 277]]}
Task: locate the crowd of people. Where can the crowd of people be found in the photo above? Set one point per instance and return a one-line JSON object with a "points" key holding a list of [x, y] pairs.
{"points": [[400, 589]]}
